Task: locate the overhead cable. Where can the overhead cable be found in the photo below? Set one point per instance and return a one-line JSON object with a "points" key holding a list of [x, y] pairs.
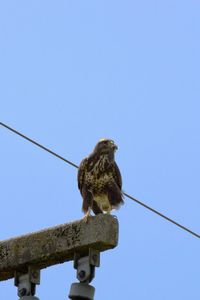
{"points": [[76, 166]]}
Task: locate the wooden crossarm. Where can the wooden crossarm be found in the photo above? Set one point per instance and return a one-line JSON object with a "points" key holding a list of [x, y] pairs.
{"points": [[57, 244]]}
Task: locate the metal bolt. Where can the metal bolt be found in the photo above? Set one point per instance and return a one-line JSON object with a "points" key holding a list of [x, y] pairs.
{"points": [[81, 274], [35, 274]]}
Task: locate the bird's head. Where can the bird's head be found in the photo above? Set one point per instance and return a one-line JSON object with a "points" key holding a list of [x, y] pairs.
{"points": [[105, 146]]}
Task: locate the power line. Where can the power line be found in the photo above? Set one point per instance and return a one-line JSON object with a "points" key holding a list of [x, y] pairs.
{"points": [[161, 215], [125, 194], [39, 145]]}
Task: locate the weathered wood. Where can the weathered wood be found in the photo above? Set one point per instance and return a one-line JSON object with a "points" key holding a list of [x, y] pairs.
{"points": [[57, 244]]}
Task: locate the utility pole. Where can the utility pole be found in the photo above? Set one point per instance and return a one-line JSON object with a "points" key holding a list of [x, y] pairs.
{"points": [[23, 257]]}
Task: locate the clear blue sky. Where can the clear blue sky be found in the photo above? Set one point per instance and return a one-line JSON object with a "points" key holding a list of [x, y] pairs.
{"points": [[72, 72]]}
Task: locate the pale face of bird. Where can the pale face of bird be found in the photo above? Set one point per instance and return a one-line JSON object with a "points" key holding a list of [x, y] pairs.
{"points": [[105, 146]]}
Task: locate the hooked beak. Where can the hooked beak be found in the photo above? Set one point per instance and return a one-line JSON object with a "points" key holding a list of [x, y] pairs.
{"points": [[115, 147]]}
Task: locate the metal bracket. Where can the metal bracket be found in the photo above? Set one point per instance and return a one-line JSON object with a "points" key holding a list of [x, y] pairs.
{"points": [[85, 267], [26, 283]]}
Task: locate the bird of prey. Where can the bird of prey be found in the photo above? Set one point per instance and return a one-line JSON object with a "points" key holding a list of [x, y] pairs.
{"points": [[99, 180]]}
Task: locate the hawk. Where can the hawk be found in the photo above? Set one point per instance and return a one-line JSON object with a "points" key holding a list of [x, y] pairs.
{"points": [[99, 180]]}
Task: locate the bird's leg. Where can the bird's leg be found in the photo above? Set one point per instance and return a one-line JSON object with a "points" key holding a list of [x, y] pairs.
{"points": [[86, 217]]}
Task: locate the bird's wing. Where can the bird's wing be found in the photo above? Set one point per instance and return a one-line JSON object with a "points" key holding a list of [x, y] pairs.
{"points": [[117, 175], [81, 174]]}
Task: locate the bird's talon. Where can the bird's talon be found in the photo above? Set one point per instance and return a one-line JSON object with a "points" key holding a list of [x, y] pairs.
{"points": [[86, 217]]}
